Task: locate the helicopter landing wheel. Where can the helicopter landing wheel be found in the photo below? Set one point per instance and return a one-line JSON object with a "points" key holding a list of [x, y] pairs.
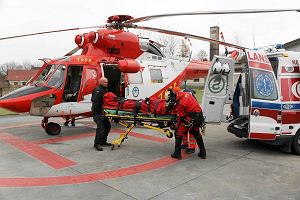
{"points": [[53, 128]]}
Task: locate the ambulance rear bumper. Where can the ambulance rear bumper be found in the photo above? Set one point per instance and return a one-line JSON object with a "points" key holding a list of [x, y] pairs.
{"points": [[280, 140], [242, 132], [239, 127]]}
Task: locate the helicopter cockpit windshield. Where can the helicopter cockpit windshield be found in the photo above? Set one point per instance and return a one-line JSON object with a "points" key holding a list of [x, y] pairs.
{"points": [[52, 76]]}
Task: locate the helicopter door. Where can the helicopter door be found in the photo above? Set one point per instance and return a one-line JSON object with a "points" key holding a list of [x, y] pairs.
{"points": [[113, 75], [218, 90], [265, 106], [135, 83], [73, 83], [89, 81]]}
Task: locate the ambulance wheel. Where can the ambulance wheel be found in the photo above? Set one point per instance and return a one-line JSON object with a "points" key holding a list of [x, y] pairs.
{"points": [[53, 128], [296, 143]]}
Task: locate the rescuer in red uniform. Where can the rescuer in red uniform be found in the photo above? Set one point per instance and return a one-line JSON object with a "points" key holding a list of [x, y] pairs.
{"points": [[188, 141], [190, 119]]}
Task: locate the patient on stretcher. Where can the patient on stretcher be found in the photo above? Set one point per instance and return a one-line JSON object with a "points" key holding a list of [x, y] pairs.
{"points": [[147, 106]]}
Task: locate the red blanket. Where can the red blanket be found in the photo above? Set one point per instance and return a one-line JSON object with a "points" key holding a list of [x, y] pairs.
{"points": [[155, 106]]}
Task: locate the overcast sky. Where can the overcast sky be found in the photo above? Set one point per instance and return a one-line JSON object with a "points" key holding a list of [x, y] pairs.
{"points": [[27, 16]]}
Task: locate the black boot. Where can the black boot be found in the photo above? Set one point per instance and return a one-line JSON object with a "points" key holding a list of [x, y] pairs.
{"points": [[199, 139], [98, 147], [177, 152]]}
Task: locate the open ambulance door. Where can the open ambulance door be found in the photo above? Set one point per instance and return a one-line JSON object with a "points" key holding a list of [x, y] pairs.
{"points": [[218, 91], [265, 106]]}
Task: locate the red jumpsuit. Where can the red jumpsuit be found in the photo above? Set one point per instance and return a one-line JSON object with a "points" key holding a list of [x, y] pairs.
{"points": [[190, 118], [186, 104]]}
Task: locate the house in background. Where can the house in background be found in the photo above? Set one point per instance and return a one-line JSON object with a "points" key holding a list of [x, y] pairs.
{"points": [[3, 85], [15, 79], [293, 45], [19, 77]]}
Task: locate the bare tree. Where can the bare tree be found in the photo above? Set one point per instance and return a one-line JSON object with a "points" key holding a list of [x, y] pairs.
{"points": [[8, 65], [143, 34], [170, 42], [14, 65], [26, 64], [184, 50], [202, 55]]}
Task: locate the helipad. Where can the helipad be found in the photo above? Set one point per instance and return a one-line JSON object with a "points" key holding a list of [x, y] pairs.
{"points": [[34, 165]]}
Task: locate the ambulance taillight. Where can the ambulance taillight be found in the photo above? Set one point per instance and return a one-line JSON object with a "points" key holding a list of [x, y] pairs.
{"points": [[279, 117]]}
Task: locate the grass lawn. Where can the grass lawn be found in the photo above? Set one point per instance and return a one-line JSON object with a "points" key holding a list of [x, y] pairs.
{"points": [[5, 112], [199, 92]]}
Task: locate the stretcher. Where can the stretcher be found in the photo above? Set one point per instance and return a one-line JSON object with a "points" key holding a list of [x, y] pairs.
{"points": [[129, 119]]}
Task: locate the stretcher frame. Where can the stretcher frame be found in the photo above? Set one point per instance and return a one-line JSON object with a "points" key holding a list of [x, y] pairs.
{"points": [[130, 120]]}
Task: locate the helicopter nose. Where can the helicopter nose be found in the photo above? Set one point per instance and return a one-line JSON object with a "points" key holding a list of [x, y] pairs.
{"points": [[18, 105], [20, 100]]}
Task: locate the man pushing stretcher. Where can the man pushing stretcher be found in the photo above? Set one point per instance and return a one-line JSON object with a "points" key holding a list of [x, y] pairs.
{"points": [[190, 119], [180, 104]]}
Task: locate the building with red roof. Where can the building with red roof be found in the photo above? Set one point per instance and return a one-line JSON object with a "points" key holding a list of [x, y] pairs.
{"points": [[19, 77]]}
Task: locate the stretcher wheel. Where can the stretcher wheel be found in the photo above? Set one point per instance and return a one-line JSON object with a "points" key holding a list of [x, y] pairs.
{"points": [[169, 135], [112, 147]]}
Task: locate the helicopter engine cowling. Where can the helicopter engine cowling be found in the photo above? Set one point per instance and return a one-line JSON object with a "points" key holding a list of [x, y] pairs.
{"points": [[129, 66], [81, 40]]}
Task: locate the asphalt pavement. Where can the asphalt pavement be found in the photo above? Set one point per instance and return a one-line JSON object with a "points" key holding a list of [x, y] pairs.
{"points": [[34, 165]]}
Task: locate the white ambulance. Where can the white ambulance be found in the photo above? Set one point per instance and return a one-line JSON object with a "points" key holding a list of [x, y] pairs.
{"points": [[263, 103]]}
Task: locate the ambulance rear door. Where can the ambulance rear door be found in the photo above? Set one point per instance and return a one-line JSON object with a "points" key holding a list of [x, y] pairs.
{"points": [[218, 91], [265, 106]]}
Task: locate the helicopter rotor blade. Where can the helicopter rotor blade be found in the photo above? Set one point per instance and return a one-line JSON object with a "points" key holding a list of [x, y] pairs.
{"points": [[218, 12], [72, 51], [187, 35], [47, 32]]}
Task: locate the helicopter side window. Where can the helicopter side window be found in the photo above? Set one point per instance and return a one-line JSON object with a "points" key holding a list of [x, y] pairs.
{"points": [[56, 80], [156, 76], [135, 78]]}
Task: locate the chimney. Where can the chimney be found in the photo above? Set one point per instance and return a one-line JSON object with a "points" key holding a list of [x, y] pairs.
{"points": [[214, 48]]}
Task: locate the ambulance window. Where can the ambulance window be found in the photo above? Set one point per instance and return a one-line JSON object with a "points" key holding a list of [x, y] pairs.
{"points": [[274, 63], [135, 78], [263, 85], [156, 76]]}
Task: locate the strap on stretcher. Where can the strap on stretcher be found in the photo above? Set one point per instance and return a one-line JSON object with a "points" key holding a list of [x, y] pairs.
{"points": [[123, 117], [141, 117]]}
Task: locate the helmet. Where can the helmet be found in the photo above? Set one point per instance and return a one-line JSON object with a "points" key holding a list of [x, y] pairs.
{"points": [[193, 92], [170, 97], [170, 94]]}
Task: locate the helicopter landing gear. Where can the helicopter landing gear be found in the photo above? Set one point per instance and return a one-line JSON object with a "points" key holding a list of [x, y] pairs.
{"points": [[51, 128]]}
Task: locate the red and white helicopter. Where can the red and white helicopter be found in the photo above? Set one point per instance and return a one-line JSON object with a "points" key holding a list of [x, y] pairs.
{"points": [[63, 86]]}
